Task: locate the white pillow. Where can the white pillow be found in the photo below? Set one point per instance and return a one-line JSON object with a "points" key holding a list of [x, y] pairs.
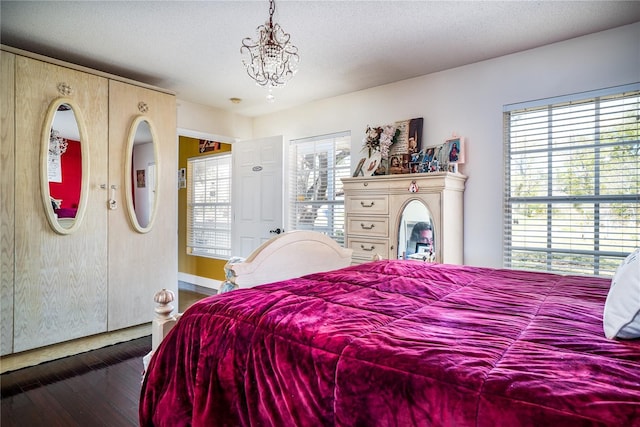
{"points": [[622, 308]]}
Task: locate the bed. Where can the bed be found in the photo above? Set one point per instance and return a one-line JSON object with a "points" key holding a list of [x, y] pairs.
{"points": [[397, 343]]}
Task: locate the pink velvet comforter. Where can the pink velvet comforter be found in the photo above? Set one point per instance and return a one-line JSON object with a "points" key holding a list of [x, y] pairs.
{"points": [[397, 343]]}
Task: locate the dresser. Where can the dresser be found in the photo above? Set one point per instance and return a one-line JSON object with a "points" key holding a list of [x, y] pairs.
{"points": [[374, 208]]}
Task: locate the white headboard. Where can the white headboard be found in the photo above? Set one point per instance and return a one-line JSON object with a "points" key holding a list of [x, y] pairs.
{"points": [[289, 255]]}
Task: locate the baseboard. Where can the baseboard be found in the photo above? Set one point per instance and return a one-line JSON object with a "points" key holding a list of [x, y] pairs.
{"points": [[204, 282], [12, 362]]}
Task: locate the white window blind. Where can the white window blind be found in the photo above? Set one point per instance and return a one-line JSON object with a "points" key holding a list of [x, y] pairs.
{"points": [[316, 193], [572, 182], [209, 206]]}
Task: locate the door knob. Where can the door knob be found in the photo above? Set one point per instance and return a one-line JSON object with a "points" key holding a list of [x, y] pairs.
{"points": [[276, 231]]}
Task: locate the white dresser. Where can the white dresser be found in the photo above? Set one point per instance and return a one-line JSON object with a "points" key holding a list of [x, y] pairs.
{"points": [[374, 208]]}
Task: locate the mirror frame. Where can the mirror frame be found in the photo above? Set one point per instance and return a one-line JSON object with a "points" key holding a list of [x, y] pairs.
{"points": [[128, 164], [406, 203], [44, 166]]}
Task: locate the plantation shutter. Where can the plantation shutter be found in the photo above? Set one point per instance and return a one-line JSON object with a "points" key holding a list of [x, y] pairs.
{"points": [[572, 182], [209, 206], [315, 188]]}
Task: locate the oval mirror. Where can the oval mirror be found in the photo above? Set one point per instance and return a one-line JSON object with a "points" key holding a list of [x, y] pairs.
{"points": [[141, 169], [64, 166], [416, 236]]}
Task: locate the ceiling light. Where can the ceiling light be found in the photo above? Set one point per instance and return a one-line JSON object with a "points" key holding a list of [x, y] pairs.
{"points": [[271, 60]]}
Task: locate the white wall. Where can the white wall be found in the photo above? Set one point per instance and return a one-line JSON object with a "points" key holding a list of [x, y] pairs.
{"points": [[197, 120], [469, 101]]}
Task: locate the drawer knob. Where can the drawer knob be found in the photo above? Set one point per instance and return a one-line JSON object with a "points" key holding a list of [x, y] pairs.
{"points": [[367, 249], [364, 205], [364, 227]]}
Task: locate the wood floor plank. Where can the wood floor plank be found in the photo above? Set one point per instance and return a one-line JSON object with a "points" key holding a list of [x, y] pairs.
{"points": [[44, 397], [97, 388]]}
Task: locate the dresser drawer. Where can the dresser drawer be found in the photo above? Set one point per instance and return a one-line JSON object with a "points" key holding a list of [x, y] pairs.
{"points": [[368, 226], [367, 205], [366, 249]]}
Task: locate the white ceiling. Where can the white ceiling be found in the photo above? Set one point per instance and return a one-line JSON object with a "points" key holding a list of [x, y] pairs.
{"points": [[193, 47]]}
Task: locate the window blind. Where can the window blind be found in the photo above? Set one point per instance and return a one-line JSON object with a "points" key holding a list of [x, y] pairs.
{"points": [[317, 165], [209, 206], [572, 183]]}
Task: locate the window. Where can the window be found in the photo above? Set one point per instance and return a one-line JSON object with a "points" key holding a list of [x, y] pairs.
{"points": [[317, 197], [209, 206], [572, 182]]}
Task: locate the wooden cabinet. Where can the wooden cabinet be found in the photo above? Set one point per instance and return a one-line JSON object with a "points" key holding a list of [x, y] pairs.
{"points": [[102, 277], [60, 281], [374, 207], [141, 263]]}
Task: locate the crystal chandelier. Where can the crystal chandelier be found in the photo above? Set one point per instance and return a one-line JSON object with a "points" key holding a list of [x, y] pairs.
{"points": [[271, 60], [57, 144]]}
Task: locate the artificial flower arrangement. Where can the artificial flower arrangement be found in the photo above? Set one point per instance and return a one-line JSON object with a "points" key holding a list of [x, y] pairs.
{"points": [[380, 138]]}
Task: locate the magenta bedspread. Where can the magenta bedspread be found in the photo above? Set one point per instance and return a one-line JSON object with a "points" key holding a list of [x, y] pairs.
{"points": [[397, 343]]}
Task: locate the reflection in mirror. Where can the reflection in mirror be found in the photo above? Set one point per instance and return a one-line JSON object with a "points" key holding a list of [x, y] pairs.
{"points": [[63, 174], [142, 170], [416, 236]]}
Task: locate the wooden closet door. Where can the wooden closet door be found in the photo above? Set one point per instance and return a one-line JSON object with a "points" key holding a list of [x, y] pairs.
{"points": [[7, 218], [60, 280], [140, 264]]}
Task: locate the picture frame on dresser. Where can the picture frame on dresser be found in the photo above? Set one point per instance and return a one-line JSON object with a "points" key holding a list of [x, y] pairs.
{"points": [[455, 149], [358, 170]]}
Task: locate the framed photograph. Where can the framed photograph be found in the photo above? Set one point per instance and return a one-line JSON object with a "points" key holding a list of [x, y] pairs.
{"points": [[358, 170], [455, 150], [414, 136], [140, 177], [409, 140], [205, 145], [395, 164]]}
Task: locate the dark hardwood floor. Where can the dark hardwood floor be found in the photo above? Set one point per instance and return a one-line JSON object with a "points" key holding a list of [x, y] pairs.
{"points": [[96, 388]]}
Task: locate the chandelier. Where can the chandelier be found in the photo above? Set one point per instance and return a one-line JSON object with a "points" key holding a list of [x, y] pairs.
{"points": [[57, 144], [271, 60]]}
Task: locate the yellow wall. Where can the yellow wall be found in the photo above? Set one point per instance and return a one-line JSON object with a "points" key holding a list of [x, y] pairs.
{"points": [[190, 264]]}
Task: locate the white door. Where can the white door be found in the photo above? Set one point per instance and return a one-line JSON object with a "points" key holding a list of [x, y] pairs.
{"points": [[258, 192]]}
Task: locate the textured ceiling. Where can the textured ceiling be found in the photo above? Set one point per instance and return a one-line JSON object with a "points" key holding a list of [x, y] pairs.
{"points": [[193, 47]]}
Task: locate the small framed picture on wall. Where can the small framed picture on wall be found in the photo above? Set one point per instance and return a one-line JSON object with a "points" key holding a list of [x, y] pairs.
{"points": [[182, 178], [141, 179]]}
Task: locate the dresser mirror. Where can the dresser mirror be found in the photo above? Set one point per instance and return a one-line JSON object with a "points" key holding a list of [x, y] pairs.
{"points": [[416, 235], [64, 166], [141, 174]]}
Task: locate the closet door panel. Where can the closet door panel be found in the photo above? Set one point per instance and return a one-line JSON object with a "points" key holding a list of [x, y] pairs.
{"points": [[140, 264], [7, 218], [60, 280]]}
